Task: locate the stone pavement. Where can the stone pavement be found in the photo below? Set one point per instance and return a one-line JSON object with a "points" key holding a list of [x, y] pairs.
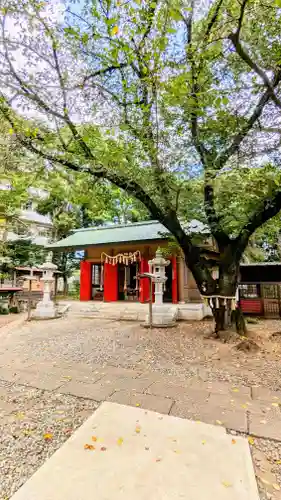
{"points": [[124, 453], [251, 410]]}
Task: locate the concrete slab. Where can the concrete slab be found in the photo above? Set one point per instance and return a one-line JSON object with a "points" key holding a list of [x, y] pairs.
{"points": [[159, 457]]}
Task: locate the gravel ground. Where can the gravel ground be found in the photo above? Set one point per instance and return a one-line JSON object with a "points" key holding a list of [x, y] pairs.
{"points": [[38, 425], [266, 455], [183, 352]]}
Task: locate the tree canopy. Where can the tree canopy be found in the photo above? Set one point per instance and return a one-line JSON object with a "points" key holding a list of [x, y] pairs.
{"points": [[169, 100]]}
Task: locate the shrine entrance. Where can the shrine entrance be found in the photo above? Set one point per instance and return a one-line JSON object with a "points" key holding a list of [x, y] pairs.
{"points": [[120, 276], [128, 282]]}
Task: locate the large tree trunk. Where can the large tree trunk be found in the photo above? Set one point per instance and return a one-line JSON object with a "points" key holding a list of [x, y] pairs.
{"points": [[65, 285], [220, 292]]}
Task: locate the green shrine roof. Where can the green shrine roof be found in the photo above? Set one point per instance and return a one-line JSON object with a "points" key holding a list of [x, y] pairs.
{"points": [[124, 233]]}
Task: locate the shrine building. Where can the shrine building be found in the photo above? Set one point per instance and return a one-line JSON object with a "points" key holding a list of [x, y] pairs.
{"points": [[115, 255]]}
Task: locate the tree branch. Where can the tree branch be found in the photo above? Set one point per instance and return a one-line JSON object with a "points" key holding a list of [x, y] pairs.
{"points": [[234, 37], [240, 136], [268, 209], [169, 219], [101, 72]]}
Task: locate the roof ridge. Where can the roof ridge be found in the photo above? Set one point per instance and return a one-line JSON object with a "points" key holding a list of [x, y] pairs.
{"points": [[116, 226]]}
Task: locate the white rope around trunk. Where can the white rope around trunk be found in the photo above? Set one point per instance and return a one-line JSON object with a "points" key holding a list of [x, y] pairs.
{"points": [[214, 303]]}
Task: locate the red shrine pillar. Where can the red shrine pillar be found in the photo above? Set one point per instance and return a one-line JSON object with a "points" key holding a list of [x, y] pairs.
{"points": [[174, 280], [85, 280], [144, 282], [110, 282]]}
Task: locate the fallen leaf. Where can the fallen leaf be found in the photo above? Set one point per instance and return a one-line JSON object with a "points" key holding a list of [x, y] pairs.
{"points": [[244, 406], [276, 397], [251, 440], [235, 389], [276, 486], [94, 438], [275, 404], [67, 377], [89, 447], [103, 448], [20, 415], [48, 436], [115, 30], [203, 442], [137, 429], [137, 404], [218, 422], [27, 432], [177, 451], [226, 484], [264, 481], [120, 441], [233, 441], [198, 421], [278, 462]]}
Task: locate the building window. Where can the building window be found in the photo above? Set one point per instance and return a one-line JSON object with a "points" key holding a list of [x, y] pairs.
{"points": [[96, 275], [248, 291]]}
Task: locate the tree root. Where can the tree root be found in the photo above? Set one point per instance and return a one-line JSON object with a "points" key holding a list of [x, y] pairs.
{"points": [[223, 335], [247, 346], [275, 336], [238, 320]]}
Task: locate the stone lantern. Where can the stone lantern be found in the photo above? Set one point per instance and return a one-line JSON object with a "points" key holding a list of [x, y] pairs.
{"points": [[45, 309], [162, 315], [157, 267]]}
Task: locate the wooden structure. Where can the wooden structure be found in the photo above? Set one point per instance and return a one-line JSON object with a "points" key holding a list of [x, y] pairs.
{"points": [[260, 289], [115, 255]]}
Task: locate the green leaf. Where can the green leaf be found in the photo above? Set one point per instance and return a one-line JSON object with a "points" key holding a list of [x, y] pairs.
{"points": [[176, 15], [85, 38], [71, 31]]}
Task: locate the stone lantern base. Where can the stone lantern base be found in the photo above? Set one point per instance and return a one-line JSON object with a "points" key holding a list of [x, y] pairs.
{"points": [[45, 310], [163, 316]]}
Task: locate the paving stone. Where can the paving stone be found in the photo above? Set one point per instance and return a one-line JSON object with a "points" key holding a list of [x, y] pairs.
{"points": [[266, 409], [119, 371], [230, 401], [40, 381], [87, 378], [6, 408], [231, 419], [177, 392], [262, 393], [265, 427], [147, 401], [8, 374], [125, 383], [224, 388], [97, 392]]}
